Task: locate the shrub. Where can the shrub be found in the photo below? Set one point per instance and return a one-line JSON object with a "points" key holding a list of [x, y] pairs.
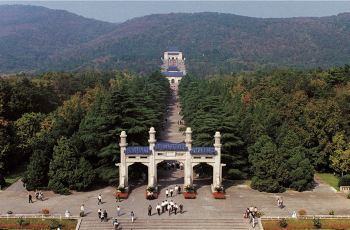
{"points": [[189, 188], [45, 211], [219, 189], [2, 181], [54, 224], [236, 174], [283, 223], [151, 189], [344, 180], [317, 223], [302, 212], [121, 189], [331, 212], [22, 222]]}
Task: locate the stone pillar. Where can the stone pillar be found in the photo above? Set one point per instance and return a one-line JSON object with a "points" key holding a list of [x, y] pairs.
{"points": [[152, 166], [123, 168], [188, 163], [217, 169]]}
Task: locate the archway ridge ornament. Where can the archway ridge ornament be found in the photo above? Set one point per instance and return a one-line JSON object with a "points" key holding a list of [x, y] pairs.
{"points": [[156, 152]]}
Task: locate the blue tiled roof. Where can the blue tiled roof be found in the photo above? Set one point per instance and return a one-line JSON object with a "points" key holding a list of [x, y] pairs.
{"points": [[173, 68], [172, 74], [167, 146], [142, 150], [203, 151]]}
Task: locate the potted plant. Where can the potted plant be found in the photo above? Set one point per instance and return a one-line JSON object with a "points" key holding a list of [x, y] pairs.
{"points": [[189, 192], [151, 193], [121, 193], [219, 193], [45, 211]]}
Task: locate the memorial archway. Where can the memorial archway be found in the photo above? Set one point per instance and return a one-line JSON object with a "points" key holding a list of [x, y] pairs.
{"points": [[158, 152]]}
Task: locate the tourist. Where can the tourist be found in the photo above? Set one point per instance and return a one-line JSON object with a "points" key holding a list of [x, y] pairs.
{"points": [[158, 209], [67, 214], [30, 198], [175, 208], [105, 215], [82, 210], [176, 189], [255, 221], [169, 208], [102, 216], [294, 214], [166, 205], [99, 212], [149, 210], [132, 214], [166, 193], [171, 205], [255, 211], [181, 208], [171, 192], [281, 203], [247, 212], [99, 199], [118, 198], [118, 210], [115, 223], [179, 190], [163, 206]]}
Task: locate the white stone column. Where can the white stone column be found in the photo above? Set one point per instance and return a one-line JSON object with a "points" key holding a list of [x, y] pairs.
{"points": [[123, 168], [217, 177], [188, 163], [152, 166]]}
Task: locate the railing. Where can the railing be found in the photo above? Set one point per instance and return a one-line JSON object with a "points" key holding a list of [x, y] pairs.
{"points": [[306, 217], [344, 188]]}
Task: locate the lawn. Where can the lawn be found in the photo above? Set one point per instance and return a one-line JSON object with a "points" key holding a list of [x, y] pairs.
{"points": [[330, 179], [37, 223], [303, 224], [15, 175]]}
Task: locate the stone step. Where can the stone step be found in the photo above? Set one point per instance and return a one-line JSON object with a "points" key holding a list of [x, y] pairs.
{"points": [[141, 223]]}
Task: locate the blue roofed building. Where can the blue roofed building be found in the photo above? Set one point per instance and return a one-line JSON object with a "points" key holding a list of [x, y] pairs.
{"points": [[173, 66]]}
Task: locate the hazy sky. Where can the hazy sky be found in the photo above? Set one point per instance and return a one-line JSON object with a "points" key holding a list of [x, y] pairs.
{"points": [[119, 11]]}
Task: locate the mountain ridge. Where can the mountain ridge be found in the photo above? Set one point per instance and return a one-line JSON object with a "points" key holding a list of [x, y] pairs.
{"points": [[212, 41]]}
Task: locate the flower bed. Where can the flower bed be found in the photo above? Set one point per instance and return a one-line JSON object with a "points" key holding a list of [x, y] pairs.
{"points": [[219, 195], [307, 224], [122, 195], [189, 195], [37, 223]]}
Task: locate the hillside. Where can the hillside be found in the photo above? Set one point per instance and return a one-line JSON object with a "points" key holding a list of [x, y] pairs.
{"points": [[211, 41], [30, 34]]}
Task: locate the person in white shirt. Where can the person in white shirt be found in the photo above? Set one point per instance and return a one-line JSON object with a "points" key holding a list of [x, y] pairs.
{"points": [[176, 189], [158, 209], [166, 193], [99, 199], [118, 210]]}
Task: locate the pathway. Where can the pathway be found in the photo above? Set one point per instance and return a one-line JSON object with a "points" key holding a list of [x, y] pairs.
{"points": [[171, 132]]}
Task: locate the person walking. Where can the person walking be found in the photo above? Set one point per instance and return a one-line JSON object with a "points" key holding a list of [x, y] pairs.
{"points": [[176, 189], [132, 214], [149, 210], [171, 192], [99, 199], [118, 210], [169, 208], [30, 198], [175, 208], [181, 208], [105, 215], [163, 206], [166, 193], [158, 209], [179, 190], [166, 205], [102, 216], [82, 210], [99, 213]]}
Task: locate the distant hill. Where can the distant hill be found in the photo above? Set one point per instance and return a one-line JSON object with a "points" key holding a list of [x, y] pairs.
{"points": [[36, 38]]}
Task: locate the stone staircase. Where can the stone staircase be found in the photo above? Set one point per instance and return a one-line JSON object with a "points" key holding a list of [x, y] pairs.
{"points": [[148, 223]]}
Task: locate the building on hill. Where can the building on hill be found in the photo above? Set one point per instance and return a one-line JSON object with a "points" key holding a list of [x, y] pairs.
{"points": [[173, 67]]}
